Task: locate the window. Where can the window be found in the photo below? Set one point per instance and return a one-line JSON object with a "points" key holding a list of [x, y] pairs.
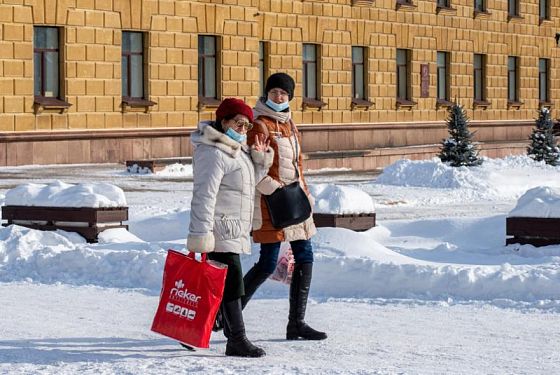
{"points": [[513, 67], [479, 69], [403, 74], [359, 80], [444, 3], [544, 80], [544, 9], [443, 76], [263, 66], [132, 65], [513, 8], [207, 63], [480, 5], [46, 62], [310, 83], [47, 83]]}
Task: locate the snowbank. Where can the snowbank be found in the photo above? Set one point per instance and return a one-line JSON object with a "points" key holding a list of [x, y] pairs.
{"points": [[172, 170], [542, 201], [336, 199], [60, 194], [495, 179], [406, 259], [429, 173]]}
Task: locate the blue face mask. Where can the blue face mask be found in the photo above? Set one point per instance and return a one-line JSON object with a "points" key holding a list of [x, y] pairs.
{"points": [[277, 107], [241, 138]]}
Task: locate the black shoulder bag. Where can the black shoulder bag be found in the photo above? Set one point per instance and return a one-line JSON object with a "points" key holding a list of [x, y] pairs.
{"points": [[289, 205]]}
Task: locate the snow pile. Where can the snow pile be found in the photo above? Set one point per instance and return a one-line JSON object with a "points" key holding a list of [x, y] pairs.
{"points": [[51, 257], [430, 259], [176, 170], [336, 199], [136, 169], [171, 170], [170, 226], [506, 178], [60, 194], [542, 201], [430, 173]]}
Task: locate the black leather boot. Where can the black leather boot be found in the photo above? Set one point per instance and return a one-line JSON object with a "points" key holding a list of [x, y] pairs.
{"points": [[252, 281], [299, 291], [238, 344], [218, 323]]}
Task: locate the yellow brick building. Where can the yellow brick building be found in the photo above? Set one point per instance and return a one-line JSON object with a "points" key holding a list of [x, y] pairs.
{"points": [[416, 57]]}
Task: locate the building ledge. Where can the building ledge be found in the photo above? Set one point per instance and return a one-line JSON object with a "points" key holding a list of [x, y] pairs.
{"points": [[443, 103], [208, 103], [309, 103], [405, 5], [514, 104], [545, 21], [362, 2], [546, 104], [445, 10], [360, 104], [481, 14], [515, 18], [48, 104], [136, 104], [484, 104], [405, 104]]}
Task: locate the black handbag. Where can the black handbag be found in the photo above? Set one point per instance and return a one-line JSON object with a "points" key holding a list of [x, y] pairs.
{"points": [[288, 205]]}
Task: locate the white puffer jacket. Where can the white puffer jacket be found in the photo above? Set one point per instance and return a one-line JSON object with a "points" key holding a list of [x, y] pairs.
{"points": [[225, 175]]}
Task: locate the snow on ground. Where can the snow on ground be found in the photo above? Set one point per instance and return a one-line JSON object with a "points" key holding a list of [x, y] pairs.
{"points": [[542, 201], [431, 289], [60, 194], [336, 199]]}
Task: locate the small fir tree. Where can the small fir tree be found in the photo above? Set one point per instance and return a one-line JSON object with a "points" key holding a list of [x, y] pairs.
{"points": [[458, 149], [542, 145]]}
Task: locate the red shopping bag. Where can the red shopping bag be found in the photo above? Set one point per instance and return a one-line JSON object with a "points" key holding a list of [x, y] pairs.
{"points": [[284, 265], [191, 294]]}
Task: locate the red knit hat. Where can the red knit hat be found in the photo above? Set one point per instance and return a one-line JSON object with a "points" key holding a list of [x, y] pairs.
{"points": [[233, 107]]}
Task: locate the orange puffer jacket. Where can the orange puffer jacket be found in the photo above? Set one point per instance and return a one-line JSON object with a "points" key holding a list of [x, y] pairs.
{"points": [[282, 172]]}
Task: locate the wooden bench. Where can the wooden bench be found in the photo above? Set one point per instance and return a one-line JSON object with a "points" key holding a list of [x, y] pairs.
{"points": [[155, 165], [87, 221], [356, 222], [533, 230]]}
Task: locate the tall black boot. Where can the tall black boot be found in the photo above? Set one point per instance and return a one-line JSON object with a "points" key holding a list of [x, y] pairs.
{"points": [[252, 281], [299, 291], [219, 322], [238, 344]]}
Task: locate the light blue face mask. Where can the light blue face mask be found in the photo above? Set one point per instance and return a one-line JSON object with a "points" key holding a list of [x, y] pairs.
{"points": [[277, 107], [241, 138]]}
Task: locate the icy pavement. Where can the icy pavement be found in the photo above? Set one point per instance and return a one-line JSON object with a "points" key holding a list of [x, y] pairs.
{"points": [[95, 331]]}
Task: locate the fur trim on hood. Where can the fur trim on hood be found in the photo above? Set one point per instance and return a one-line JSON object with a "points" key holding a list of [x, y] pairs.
{"points": [[208, 135]]}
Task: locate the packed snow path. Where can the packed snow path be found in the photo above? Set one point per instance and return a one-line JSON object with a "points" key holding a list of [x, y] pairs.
{"points": [[58, 329]]}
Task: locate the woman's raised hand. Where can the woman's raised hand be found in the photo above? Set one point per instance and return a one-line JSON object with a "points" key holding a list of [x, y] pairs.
{"points": [[261, 143]]}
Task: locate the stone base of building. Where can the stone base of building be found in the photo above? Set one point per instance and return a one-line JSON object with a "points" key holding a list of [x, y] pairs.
{"points": [[356, 146], [364, 160]]}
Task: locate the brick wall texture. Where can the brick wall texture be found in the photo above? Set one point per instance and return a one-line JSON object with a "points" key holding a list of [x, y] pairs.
{"points": [[91, 55]]}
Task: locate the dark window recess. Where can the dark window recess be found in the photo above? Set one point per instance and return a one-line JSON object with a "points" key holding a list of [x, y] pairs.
{"points": [[46, 65], [403, 75], [442, 78], [207, 67], [310, 83], [513, 80]]}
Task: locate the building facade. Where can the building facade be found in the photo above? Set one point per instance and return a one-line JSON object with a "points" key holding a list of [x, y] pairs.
{"points": [[114, 80]]}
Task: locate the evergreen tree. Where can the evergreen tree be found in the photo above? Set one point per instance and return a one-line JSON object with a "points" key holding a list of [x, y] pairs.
{"points": [[458, 149], [542, 145]]}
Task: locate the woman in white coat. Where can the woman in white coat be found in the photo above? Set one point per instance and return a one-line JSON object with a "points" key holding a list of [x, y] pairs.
{"points": [[225, 174]]}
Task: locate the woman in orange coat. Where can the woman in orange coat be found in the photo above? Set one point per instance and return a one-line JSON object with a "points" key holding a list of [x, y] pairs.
{"points": [[273, 123]]}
